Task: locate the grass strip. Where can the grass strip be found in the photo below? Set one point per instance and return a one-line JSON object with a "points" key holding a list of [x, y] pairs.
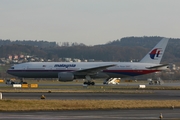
{"points": [[45, 105]]}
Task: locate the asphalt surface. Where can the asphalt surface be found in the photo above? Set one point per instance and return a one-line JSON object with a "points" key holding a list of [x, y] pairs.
{"points": [[152, 95], [138, 114]]}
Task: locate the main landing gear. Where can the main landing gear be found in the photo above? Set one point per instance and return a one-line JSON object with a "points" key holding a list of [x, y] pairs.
{"points": [[89, 81]]}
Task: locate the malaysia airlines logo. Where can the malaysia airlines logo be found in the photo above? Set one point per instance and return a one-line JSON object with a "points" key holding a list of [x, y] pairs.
{"points": [[65, 65], [156, 53]]}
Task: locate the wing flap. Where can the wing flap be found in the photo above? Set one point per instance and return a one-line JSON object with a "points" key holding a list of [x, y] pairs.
{"points": [[94, 70], [157, 66]]}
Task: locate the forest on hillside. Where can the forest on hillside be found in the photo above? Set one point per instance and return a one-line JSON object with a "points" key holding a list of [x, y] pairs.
{"points": [[125, 49]]}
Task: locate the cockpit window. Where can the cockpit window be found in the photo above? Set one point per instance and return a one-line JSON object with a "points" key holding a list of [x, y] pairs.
{"points": [[12, 67]]}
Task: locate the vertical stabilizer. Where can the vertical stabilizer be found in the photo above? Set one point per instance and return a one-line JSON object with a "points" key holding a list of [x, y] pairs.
{"points": [[156, 54]]}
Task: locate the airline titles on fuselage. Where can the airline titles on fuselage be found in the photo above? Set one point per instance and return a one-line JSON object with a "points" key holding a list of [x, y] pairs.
{"points": [[124, 66], [65, 65]]}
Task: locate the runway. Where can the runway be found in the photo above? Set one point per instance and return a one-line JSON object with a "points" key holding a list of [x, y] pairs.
{"points": [[152, 95], [127, 95], [133, 114]]}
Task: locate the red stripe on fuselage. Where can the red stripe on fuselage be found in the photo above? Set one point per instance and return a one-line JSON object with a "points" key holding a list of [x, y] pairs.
{"points": [[131, 72]]}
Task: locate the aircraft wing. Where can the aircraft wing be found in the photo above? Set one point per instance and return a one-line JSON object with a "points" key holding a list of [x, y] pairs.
{"points": [[94, 70], [157, 66]]}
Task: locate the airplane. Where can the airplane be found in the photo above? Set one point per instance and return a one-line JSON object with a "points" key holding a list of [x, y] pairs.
{"points": [[68, 71]]}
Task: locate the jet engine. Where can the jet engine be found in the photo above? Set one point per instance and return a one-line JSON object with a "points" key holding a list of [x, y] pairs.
{"points": [[65, 76]]}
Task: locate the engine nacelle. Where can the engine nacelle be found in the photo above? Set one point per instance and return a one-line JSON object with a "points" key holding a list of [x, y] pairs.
{"points": [[65, 76]]}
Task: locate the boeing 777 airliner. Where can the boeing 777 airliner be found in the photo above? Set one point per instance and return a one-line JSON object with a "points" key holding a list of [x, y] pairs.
{"points": [[68, 71]]}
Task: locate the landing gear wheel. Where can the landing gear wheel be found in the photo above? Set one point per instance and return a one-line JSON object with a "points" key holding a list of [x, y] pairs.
{"points": [[89, 83], [92, 83]]}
